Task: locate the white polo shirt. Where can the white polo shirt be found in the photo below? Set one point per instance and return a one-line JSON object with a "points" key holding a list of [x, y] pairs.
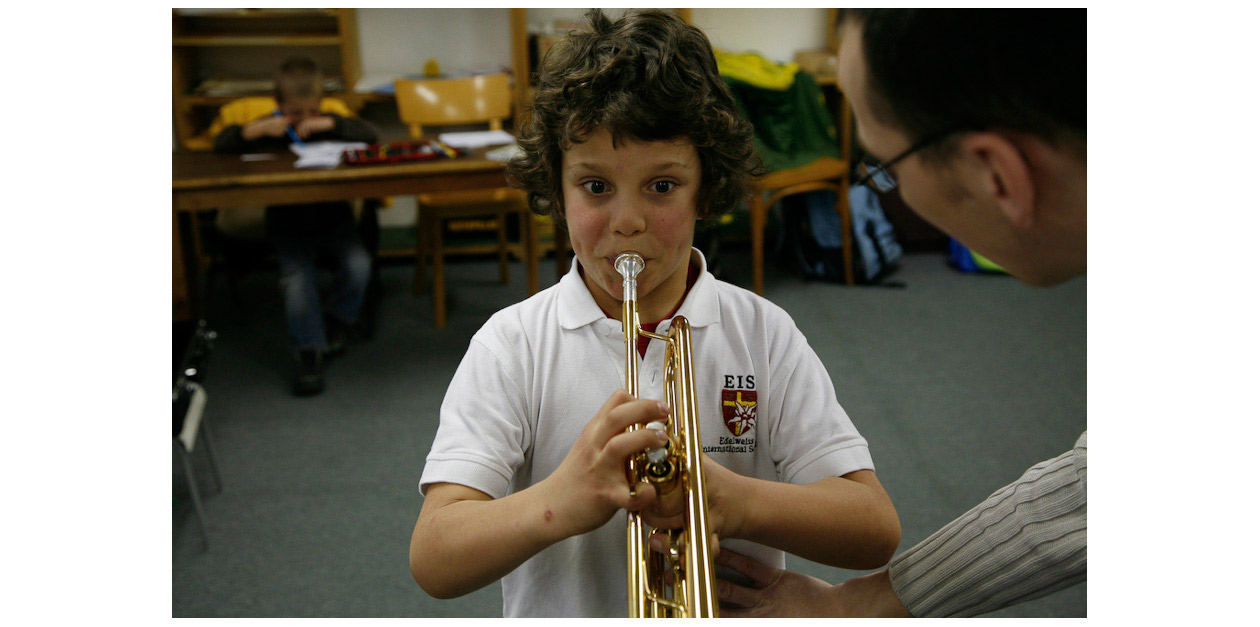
{"points": [[539, 370]]}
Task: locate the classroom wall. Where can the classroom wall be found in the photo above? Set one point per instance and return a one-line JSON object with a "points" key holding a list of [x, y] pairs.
{"points": [[397, 42]]}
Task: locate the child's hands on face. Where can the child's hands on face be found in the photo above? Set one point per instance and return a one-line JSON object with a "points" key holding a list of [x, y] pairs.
{"points": [[591, 485], [311, 125]]}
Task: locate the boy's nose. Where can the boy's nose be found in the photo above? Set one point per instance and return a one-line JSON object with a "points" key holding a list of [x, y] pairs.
{"points": [[627, 217]]}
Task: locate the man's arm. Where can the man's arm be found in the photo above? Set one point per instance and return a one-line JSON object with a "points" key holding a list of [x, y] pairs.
{"points": [[1025, 541]]}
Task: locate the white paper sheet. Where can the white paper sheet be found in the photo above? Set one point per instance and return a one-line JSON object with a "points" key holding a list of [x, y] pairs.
{"points": [[325, 155], [476, 139]]}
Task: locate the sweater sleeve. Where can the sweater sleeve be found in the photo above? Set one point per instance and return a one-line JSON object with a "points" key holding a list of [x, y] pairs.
{"points": [[230, 140], [1023, 542], [353, 129]]}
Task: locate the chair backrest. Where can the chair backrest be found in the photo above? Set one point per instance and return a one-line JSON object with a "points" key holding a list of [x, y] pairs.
{"points": [[448, 101]]}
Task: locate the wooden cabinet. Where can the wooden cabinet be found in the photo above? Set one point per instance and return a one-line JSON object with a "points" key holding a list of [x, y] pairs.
{"points": [[219, 55]]}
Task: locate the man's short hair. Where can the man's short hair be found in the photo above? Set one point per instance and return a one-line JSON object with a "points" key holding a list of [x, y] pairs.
{"points": [[647, 76], [298, 78], [938, 70]]}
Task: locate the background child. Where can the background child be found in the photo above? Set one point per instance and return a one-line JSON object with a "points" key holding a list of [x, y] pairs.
{"points": [[299, 112], [633, 140]]}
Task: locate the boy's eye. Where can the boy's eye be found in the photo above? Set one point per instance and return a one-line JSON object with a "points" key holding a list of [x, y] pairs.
{"points": [[595, 187], [663, 187]]}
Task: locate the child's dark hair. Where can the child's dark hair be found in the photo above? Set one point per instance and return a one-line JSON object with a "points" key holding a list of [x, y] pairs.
{"points": [[298, 77], [937, 70], [648, 76]]}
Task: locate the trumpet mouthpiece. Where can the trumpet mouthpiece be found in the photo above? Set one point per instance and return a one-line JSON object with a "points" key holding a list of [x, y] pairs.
{"points": [[628, 264]]}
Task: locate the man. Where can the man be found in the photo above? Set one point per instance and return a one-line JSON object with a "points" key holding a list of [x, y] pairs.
{"points": [[979, 118]]}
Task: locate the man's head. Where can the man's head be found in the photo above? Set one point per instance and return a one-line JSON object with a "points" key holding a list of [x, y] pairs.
{"points": [[983, 112], [647, 76], [299, 87]]}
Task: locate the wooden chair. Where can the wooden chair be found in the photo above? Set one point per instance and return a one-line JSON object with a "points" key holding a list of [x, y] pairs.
{"points": [[484, 99], [826, 173]]}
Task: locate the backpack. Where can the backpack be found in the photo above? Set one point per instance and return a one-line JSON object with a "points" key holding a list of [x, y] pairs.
{"points": [[814, 239]]}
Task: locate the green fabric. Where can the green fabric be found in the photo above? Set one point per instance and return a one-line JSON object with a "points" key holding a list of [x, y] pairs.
{"points": [[985, 264], [792, 127]]}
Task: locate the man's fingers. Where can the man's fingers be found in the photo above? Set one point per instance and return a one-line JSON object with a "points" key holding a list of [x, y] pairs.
{"points": [[744, 565], [735, 594]]}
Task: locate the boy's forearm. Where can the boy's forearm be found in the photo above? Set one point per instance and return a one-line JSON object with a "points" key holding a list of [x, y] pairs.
{"points": [[466, 545], [839, 521]]}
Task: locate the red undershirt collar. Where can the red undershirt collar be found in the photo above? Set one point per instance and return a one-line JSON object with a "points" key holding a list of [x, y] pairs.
{"points": [[693, 274]]}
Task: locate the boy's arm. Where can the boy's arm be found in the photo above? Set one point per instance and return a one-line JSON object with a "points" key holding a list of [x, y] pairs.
{"points": [[465, 540], [847, 522]]}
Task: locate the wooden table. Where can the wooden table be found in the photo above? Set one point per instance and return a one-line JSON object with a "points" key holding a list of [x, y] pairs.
{"points": [[202, 181]]}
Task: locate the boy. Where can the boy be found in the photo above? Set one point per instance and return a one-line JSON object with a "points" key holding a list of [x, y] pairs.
{"points": [[1008, 178], [298, 112], [634, 139]]}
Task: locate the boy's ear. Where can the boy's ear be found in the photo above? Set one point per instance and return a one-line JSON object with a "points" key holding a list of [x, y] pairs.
{"points": [[1007, 177]]}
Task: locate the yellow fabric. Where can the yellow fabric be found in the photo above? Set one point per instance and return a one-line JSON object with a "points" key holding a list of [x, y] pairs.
{"points": [[242, 111], [756, 70]]}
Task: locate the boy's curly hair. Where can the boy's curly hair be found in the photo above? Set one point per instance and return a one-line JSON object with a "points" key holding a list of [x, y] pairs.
{"points": [[649, 76]]}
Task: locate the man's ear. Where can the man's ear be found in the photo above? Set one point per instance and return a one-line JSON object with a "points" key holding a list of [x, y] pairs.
{"points": [[1008, 177]]}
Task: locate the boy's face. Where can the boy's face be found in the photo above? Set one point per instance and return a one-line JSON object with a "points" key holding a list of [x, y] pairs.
{"points": [[636, 196], [297, 109]]}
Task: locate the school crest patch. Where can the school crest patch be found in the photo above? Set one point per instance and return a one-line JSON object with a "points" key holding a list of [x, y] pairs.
{"points": [[739, 410]]}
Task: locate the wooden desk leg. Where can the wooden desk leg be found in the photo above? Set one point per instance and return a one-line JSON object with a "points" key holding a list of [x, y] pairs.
{"points": [[529, 235], [422, 241], [757, 219], [560, 238], [503, 252], [180, 292], [439, 271]]}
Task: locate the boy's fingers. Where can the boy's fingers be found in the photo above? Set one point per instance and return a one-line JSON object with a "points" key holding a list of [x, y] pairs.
{"points": [[622, 410], [625, 444]]}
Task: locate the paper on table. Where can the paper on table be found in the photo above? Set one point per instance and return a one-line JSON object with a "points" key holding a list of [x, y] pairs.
{"points": [[476, 139], [504, 153], [324, 155]]}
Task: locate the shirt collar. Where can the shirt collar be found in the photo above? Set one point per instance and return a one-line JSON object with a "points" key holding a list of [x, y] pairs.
{"points": [[578, 307]]}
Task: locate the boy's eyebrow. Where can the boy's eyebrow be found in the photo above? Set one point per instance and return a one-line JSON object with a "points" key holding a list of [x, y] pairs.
{"points": [[598, 167]]}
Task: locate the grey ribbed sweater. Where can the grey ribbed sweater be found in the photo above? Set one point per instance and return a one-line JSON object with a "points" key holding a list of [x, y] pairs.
{"points": [[1023, 542]]}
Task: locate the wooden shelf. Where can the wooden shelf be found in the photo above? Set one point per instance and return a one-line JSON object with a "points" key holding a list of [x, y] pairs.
{"points": [[249, 43], [258, 40]]}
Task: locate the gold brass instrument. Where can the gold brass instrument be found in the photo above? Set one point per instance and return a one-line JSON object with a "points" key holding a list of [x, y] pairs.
{"points": [[681, 584]]}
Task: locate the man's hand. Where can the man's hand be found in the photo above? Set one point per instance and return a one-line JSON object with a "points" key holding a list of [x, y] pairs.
{"points": [[783, 593]]}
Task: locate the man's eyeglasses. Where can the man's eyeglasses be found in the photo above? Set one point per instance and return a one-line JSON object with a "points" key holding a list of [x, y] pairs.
{"points": [[880, 177]]}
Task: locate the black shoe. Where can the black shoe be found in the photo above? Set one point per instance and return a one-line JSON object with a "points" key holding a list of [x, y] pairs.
{"points": [[337, 333], [310, 373]]}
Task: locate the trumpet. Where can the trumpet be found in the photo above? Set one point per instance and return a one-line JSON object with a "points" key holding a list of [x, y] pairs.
{"points": [[679, 584]]}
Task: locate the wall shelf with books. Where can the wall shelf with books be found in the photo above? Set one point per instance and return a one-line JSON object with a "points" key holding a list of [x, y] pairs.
{"points": [[222, 54]]}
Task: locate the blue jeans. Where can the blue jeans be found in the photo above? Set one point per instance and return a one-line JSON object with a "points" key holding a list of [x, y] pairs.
{"points": [[299, 280]]}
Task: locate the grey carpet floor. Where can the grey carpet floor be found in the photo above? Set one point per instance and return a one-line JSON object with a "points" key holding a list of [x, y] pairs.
{"points": [[959, 382]]}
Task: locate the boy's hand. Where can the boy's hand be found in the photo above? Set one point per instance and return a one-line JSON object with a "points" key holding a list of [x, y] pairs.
{"points": [[270, 126], [317, 124], [591, 485], [726, 507]]}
